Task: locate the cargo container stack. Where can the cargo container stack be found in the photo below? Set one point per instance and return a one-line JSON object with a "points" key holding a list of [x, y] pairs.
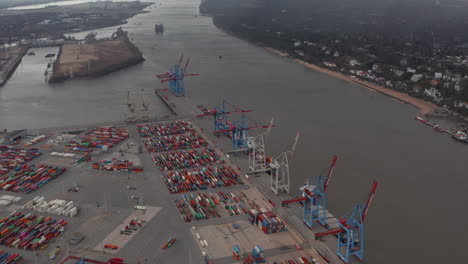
{"points": [[133, 226], [197, 207], [6, 258], [6, 200], [205, 205], [117, 165], [300, 260], [164, 128], [257, 254], [85, 158], [11, 157], [35, 140], [175, 142], [236, 252], [28, 178], [187, 159], [63, 154], [270, 223], [99, 138], [55, 207], [29, 231], [201, 179], [253, 214]]}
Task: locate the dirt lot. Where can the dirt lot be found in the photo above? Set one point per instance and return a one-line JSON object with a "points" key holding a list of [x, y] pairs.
{"points": [[101, 57]]}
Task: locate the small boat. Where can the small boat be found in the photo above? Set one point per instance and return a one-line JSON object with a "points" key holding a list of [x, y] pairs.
{"points": [[421, 119], [461, 136], [159, 28], [438, 128], [31, 53], [50, 55]]}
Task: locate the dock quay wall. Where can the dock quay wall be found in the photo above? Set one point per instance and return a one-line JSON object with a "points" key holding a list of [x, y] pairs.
{"points": [[171, 106], [12, 67]]}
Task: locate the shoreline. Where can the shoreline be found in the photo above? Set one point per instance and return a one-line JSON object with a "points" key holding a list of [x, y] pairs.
{"points": [[423, 106]]}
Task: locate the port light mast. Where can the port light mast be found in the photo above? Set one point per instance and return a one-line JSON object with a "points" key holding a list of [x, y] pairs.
{"points": [[351, 230], [175, 76], [144, 109], [280, 179], [130, 114]]}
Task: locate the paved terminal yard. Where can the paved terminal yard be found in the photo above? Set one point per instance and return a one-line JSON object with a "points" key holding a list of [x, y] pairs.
{"points": [[208, 218]]}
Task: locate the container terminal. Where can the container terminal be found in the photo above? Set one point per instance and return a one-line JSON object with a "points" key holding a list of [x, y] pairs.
{"points": [[145, 190]]}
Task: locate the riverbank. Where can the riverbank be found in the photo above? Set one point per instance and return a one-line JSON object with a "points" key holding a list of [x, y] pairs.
{"points": [[423, 106], [55, 21], [8, 67], [94, 59]]}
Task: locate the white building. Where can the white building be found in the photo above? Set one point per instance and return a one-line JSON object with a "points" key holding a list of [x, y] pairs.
{"points": [[354, 62]]}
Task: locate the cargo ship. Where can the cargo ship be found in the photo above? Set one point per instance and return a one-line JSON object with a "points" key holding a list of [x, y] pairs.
{"points": [[159, 28]]}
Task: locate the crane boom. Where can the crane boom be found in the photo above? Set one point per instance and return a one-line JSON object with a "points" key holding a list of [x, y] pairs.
{"points": [[293, 147], [300, 199], [369, 200], [185, 68], [247, 128], [330, 172], [214, 112], [180, 60], [329, 232]]}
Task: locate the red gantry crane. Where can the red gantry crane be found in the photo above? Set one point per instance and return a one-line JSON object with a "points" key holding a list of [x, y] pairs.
{"points": [[351, 230]]}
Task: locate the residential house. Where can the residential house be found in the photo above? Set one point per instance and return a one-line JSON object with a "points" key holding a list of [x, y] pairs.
{"points": [[354, 62], [416, 77]]}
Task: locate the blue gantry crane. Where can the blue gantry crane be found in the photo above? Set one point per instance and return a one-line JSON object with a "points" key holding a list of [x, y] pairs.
{"points": [[221, 122], [314, 198], [238, 133], [351, 230], [175, 76], [315, 207]]}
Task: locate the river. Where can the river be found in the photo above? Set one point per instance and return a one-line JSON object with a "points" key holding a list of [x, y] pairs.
{"points": [[418, 211]]}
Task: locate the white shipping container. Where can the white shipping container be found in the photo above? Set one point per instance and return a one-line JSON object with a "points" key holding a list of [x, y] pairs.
{"points": [[41, 240], [59, 211], [73, 212], [69, 204], [17, 241]]}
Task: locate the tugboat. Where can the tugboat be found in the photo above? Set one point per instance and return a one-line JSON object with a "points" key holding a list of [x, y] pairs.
{"points": [[438, 128], [461, 136], [420, 119]]}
